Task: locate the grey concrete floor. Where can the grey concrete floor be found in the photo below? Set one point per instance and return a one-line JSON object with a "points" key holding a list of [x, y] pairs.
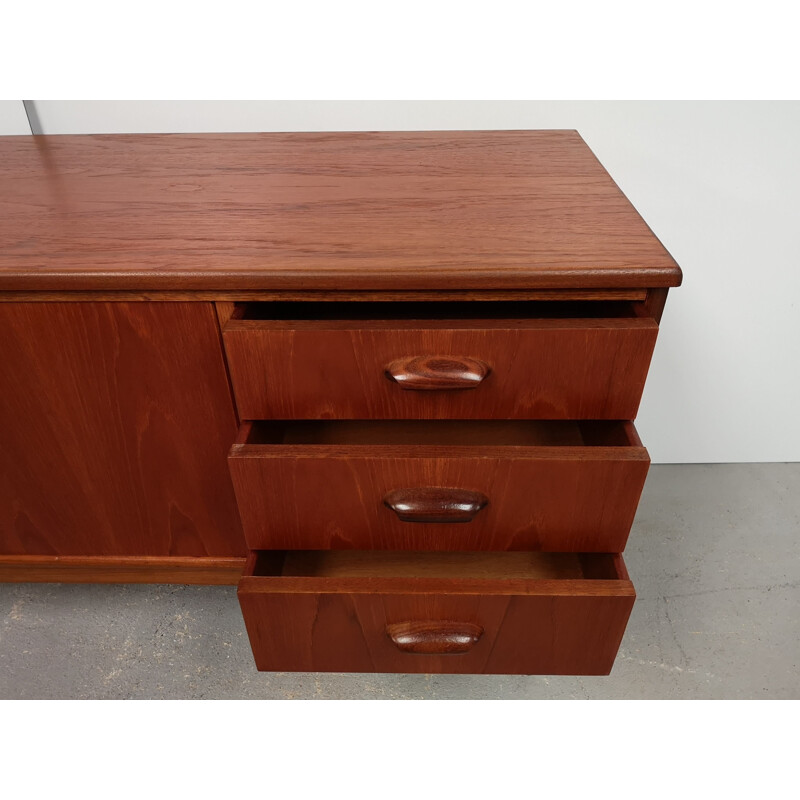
{"points": [[714, 554]]}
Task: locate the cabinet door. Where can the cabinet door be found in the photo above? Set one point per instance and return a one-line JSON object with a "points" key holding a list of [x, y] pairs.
{"points": [[115, 421]]}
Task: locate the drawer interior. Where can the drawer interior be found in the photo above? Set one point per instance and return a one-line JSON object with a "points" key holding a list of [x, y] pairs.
{"points": [[442, 565], [433, 310], [529, 433]]}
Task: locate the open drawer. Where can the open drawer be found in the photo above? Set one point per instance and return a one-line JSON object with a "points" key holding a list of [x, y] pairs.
{"points": [[436, 360], [567, 486], [367, 611]]}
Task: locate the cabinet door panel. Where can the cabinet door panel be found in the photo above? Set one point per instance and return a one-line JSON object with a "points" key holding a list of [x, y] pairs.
{"points": [[115, 420]]}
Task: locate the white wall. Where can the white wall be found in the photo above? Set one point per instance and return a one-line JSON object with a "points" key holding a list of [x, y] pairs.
{"points": [[13, 120], [718, 182]]}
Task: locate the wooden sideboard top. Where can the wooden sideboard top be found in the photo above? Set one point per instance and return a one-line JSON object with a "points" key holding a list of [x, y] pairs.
{"points": [[321, 211]]}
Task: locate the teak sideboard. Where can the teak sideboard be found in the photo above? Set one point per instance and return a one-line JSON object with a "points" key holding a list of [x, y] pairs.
{"points": [[385, 382]]}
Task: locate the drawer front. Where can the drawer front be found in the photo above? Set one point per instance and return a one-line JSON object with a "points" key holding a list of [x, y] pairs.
{"points": [[515, 369], [435, 497], [436, 625]]}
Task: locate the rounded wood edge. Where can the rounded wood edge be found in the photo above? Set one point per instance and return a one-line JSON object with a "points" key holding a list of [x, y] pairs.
{"points": [[488, 278], [329, 296]]}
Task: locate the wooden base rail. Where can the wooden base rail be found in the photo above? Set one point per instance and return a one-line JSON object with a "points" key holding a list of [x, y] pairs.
{"points": [[121, 569]]}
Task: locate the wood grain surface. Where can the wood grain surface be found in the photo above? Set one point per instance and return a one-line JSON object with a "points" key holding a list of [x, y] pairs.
{"points": [[115, 419], [575, 496], [296, 211], [547, 626], [548, 368]]}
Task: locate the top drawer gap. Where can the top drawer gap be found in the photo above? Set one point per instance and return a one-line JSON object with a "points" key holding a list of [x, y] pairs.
{"points": [[432, 310]]}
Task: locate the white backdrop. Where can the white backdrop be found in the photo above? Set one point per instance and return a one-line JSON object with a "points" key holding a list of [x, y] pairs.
{"points": [[718, 182], [13, 120]]}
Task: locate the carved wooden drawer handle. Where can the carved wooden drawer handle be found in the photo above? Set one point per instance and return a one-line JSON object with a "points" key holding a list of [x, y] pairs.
{"points": [[434, 638], [429, 373], [435, 505]]}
